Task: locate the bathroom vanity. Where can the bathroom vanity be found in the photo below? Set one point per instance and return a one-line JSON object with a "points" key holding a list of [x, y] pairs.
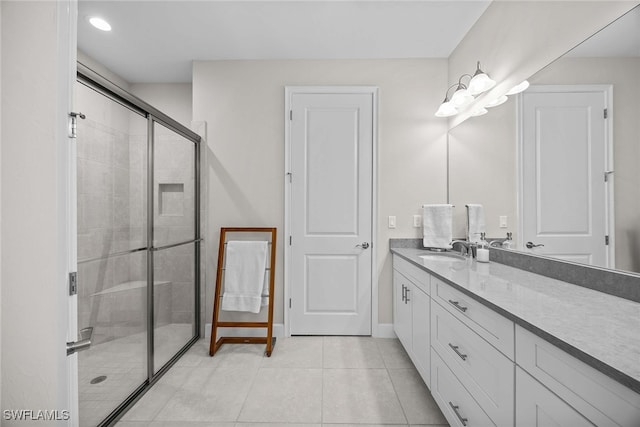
{"points": [[497, 345]]}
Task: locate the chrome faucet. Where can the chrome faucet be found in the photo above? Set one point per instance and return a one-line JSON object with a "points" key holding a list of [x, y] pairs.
{"points": [[469, 247]]}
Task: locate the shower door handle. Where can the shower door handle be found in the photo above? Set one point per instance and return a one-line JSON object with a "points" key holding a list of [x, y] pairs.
{"points": [[82, 344]]}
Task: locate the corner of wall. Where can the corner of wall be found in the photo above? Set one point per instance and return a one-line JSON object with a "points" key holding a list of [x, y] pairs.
{"points": [[1, 38]]}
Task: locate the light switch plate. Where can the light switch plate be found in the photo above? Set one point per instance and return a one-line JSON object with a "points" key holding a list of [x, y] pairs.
{"points": [[417, 221], [392, 221], [503, 221]]}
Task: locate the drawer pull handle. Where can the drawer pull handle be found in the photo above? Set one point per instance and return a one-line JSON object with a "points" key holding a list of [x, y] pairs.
{"points": [[455, 409], [457, 305], [455, 348], [406, 295]]}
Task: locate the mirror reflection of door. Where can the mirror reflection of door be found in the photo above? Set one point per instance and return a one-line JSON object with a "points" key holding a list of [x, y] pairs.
{"points": [[566, 175]]}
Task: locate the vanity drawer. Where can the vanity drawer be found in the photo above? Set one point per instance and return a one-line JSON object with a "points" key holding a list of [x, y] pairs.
{"points": [[599, 398], [418, 276], [496, 329], [456, 403], [486, 373]]}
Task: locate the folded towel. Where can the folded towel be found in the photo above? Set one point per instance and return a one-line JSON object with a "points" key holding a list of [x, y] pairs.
{"points": [[475, 222], [437, 226], [244, 280]]}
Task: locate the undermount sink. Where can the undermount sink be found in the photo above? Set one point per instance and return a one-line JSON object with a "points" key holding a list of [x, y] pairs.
{"points": [[443, 256]]}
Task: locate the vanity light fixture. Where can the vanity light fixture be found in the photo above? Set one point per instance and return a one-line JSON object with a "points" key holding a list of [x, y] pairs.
{"points": [[498, 101], [480, 82], [448, 108], [519, 88], [479, 112], [100, 23], [462, 96], [465, 94]]}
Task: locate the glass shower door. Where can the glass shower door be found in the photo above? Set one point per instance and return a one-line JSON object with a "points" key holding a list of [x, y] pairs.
{"points": [[174, 243], [112, 253]]}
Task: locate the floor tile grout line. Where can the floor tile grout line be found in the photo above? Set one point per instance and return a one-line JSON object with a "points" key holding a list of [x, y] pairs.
{"points": [[253, 381], [322, 384], [395, 390]]}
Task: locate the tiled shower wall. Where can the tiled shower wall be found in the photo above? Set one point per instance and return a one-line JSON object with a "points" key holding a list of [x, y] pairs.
{"points": [[112, 211], [174, 218]]}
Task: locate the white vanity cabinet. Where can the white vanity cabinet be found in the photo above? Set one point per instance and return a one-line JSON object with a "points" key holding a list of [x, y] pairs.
{"points": [[476, 345], [539, 407], [486, 374], [559, 386], [483, 369], [411, 314]]}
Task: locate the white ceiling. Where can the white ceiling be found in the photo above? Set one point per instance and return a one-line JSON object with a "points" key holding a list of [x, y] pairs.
{"points": [[155, 41]]}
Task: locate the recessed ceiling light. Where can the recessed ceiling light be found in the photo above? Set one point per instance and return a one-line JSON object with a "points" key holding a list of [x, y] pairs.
{"points": [[100, 23]]}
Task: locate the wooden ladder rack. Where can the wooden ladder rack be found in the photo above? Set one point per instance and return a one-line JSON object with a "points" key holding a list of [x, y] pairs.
{"points": [[269, 340]]}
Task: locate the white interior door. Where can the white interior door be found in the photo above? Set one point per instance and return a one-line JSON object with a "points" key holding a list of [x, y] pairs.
{"points": [[563, 184], [331, 140]]}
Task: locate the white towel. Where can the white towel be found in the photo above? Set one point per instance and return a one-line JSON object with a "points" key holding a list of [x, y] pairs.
{"points": [[437, 226], [244, 280], [475, 222]]}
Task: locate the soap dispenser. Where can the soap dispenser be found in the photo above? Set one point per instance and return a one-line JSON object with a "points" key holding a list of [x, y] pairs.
{"points": [[508, 242], [483, 249]]}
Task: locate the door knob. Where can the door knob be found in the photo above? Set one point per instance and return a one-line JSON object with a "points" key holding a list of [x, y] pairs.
{"points": [[530, 245], [363, 245]]}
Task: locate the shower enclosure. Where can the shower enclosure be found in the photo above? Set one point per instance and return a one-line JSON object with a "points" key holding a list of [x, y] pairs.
{"points": [[138, 245]]}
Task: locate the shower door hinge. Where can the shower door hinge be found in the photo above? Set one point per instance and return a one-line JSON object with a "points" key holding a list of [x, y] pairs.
{"points": [[73, 283], [290, 240], [606, 240], [73, 123], [289, 302], [606, 113], [290, 114]]}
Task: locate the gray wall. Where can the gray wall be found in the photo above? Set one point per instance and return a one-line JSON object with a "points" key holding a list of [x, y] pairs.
{"points": [[243, 105]]}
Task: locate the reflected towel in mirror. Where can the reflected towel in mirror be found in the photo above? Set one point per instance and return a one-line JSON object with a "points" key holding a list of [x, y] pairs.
{"points": [[475, 222]]}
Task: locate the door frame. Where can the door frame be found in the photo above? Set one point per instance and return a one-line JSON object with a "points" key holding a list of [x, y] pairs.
{"points": [[607, 92], [289, 92]]}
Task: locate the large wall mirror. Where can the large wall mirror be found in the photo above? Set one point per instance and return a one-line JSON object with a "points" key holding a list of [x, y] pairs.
{"points": [[493, 157]]}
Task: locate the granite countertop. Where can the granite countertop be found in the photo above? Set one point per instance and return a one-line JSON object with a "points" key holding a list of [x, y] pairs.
{"points": [[599, 329]]}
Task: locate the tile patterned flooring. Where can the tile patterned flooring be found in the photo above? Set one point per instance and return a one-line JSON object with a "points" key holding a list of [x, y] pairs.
{"points": [[124, 363], [308, 381]]}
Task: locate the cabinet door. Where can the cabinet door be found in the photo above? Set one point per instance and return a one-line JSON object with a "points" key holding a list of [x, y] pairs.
{"points": [[537, 406], [420, 315], [401, 310]]}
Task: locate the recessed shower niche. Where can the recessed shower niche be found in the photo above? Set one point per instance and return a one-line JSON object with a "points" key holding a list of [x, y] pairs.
{"points": [[171, 199]]}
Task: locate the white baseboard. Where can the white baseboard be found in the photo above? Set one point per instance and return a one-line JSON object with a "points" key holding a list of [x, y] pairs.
{"points": [[278, 331], [385, 330]]}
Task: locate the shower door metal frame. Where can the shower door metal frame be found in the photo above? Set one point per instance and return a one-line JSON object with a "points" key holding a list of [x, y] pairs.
{"points": [[97, 82]]}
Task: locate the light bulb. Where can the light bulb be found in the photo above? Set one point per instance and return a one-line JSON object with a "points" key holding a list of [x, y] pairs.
{"points": [[497, 101], [100, 23], [461, 97], [446, 109], [479, 112], [519, 88]]}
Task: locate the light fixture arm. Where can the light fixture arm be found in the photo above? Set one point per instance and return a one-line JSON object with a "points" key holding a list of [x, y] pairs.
{"points": [[446, 95]]}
